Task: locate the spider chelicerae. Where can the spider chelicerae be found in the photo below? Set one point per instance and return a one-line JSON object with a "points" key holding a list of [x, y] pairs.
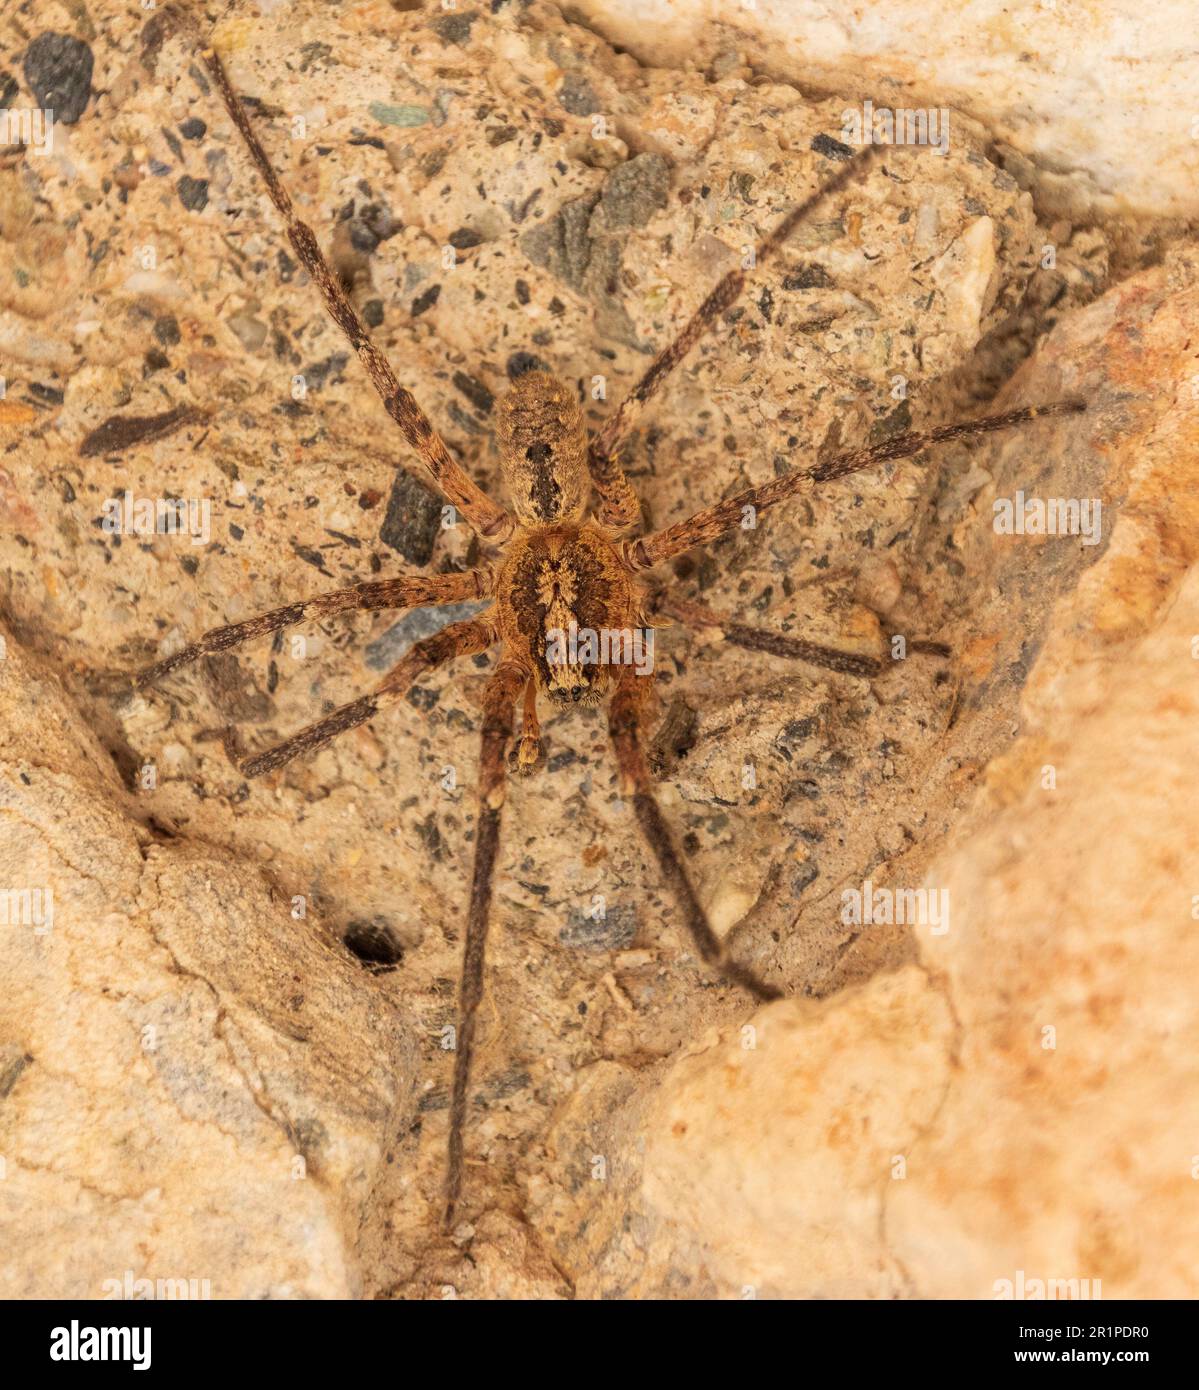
{"points": [[565, 559]]}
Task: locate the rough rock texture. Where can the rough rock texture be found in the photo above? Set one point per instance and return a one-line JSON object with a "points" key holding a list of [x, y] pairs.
{"points": [[196, 1085], [1101, 97], [1023, 1099], [454, 167]]}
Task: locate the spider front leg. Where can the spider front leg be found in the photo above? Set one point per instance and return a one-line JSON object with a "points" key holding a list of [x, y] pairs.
{"points": [[404, 591], [490, 521], [459, 639], [728, 516], [619, 507], [624, 719], [503, 690]]}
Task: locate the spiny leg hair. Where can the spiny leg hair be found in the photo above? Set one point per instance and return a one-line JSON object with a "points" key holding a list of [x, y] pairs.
{"points": [[459, 639], [403, 591]]}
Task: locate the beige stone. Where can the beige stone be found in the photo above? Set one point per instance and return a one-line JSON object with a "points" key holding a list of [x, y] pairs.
{"points": [[196, 1085], [1100, 96], [1020, 1107], [911, 298], [781, 1140]]}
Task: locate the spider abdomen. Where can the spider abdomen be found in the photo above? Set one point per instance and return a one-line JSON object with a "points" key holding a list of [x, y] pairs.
{"points": [[543, 442]]}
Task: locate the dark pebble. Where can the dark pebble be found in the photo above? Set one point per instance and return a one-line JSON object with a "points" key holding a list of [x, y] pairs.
{"points": [[898, 421], [166, 330], [799, 729], [413, 519], [454, 28], [317, 373], [809, 277], [58, 69], [463, 239], [193, 193], [803, 877], [423, 699], [121, 432], [362, 237], [310, 556], [830, 148], [426, 300], [193, 129], [577, 95], [742, 184], [475, 392], [635, 190], [615, 930]]}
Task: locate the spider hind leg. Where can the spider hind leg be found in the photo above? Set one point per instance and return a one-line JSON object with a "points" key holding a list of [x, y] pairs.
{"points": [[503, 690], [624, 720]]}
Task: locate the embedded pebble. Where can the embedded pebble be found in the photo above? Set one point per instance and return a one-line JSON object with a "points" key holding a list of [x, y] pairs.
{"points": [[58, 69]]}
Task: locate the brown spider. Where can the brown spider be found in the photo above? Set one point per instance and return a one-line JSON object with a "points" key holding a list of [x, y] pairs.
{"points": [[561, 567]]}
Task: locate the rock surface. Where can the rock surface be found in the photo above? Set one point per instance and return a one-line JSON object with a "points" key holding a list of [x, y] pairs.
{"points": [[1083, 91], [1023, 1098], [196, 1084], [454, 167]]}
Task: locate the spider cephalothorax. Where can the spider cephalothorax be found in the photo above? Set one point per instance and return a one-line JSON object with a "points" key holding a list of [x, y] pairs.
{"points": [[561, 594], [563, 586]]}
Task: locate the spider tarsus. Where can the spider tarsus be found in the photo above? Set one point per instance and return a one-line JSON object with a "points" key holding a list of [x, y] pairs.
{"points": [[153, 674], [761, 991], [526, 755], [447, 1216], [313, 737], [928, 647], [231, 742]]}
